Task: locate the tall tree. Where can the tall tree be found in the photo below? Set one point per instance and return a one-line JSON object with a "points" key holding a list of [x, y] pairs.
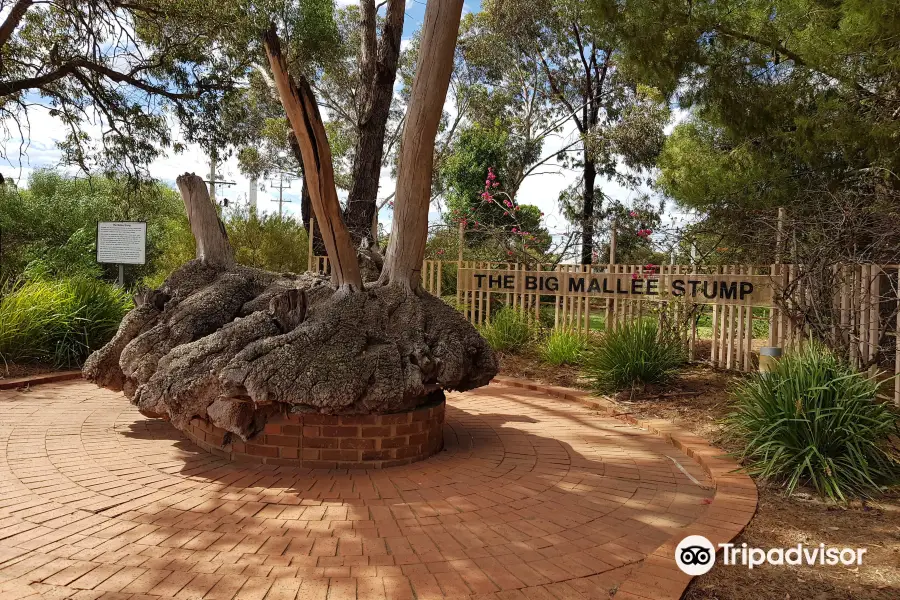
{"points": [[379, 59], [350, 57], [578, 56], [794, 104], [121, 64], [790, 153]]}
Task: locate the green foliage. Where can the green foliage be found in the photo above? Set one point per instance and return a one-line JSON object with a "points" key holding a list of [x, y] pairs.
{"points": [[792, 105], [496, 223], [462, 174], [267, 241], [133, 64], [814, 420], [59, 322], [509, 330], [49, 229], [563, 347], [632, 355]]}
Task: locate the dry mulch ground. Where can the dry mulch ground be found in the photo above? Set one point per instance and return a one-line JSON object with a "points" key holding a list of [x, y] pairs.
{"points": [[12, 370], [696, 401]]}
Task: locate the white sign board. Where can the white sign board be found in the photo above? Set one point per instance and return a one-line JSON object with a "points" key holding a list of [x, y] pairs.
{"points": [[122, 242]]}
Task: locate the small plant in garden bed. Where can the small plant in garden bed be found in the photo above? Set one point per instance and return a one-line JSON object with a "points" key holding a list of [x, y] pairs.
{"points": [[815, 421], [509, 331], [563, 347], [59, 322], [634, 354]]}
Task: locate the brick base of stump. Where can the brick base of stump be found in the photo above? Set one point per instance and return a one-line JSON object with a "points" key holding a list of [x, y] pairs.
{"points": [[318, 441]]}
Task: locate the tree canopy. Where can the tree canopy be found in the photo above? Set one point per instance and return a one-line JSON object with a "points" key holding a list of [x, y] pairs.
{"points": [[794, 104], [115, 72]]}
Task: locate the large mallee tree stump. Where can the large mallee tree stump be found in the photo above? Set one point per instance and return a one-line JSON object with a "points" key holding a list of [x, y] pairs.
{"points": [[236, 347]]}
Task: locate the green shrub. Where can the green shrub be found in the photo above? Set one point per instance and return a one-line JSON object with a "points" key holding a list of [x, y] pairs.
{"points": [[59, 322], [451, 300], [563, 347], [631, 355], [509, 331], [814, 420]]}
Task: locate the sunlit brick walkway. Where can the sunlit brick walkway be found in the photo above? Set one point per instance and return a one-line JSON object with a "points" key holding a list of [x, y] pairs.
{"points": [[532, 498]]}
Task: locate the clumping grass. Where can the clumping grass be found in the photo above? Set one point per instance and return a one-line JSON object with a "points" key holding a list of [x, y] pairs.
{"points": [[59, 322], [814, 420], [509, 331], [633, 355], [563, 347]]}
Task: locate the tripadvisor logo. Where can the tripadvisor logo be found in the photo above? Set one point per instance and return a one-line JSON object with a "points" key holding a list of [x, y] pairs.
{"points": [[696, 555]]}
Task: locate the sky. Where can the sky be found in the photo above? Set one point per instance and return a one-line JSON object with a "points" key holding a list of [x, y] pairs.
{"points": [[541, 190]]}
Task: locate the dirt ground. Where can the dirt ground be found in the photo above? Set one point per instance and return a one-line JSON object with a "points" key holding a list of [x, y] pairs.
{"points": [[11, 370], [697, 400]]}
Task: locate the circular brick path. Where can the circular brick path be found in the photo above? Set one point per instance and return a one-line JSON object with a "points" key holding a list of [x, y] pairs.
{"points": [[532, 498]]}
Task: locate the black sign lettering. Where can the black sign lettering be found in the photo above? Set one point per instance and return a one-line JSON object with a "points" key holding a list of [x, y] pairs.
{"points": [[729, 290], [704, 289]]}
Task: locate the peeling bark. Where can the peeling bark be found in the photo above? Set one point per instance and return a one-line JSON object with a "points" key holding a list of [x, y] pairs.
{"points": [[318, 170]]}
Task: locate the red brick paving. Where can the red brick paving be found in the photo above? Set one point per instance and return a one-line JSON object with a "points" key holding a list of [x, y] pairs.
{"points": [[532, 498]]}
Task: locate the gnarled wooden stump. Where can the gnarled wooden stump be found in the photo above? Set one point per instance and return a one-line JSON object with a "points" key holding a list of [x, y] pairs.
{"points": [[235, 345]]}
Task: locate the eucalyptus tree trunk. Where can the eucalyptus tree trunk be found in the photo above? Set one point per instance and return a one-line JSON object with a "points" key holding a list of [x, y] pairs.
{"points": [[409, 230], [587, 212], [378, 72]]}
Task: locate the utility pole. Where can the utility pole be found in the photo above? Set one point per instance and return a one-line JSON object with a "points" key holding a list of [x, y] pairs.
{"points": [[215, 178], [283, 178], [251, 197]]}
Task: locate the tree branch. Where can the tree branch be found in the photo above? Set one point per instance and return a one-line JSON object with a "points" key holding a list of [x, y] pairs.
{"points": [[798, 60], [8, 88], [559, 95], [13, 19]]}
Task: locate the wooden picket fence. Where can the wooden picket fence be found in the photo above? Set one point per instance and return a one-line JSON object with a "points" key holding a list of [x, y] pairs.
{"points": [[865, 315]]}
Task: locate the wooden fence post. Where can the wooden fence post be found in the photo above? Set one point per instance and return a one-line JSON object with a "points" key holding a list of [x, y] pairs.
{"points": [[311, 259]]}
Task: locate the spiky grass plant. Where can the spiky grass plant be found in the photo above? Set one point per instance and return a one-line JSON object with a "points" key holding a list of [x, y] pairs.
{"points": [[509, 330], [563, 347], [632, 355], [816, 421], [59, 322]]}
